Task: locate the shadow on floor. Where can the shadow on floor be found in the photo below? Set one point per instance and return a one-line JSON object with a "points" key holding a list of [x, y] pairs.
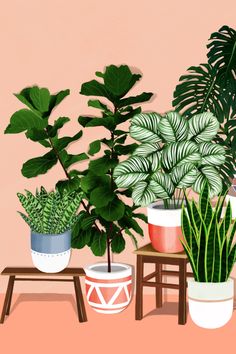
{"points": [[168, 308], [44, 297]]}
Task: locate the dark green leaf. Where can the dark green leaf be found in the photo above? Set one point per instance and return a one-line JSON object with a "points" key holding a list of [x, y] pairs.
{"points": [[117, 79], [24, 119], [62, 143], [101, 196], [58, 124], [143, 97], [125, 149], [70, 185], [98, 104], [39, 165], [94, 88], [69, 159], [56, 99], [107, 122], [91, 181], [94, 147], [102, 165], [98, 245], [140, 216], [113, 211], [36, 135], [118, 243], [40, 98]]}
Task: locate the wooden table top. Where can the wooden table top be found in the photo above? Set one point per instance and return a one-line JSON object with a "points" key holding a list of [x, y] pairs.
{"points": [[28, 271], [148, 250]]}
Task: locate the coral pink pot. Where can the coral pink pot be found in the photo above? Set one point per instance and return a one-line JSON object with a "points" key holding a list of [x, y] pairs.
{"points": [[164, 226], [108, 292]]}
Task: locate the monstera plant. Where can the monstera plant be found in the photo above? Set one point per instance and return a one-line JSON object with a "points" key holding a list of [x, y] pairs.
{"points": [[211, 87], [175, 153]]}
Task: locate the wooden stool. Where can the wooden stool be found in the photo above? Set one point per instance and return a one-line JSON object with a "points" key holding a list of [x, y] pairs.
{"points": [[147, 254], [16, 274]]}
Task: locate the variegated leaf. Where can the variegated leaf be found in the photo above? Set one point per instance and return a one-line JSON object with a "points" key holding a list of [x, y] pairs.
{"points": [[177, 154], [211, 175], [143, 193], [203, 127], [163, 187], [173, 127], [151, 152], [184, 176], [144, 127], [212, 154]]}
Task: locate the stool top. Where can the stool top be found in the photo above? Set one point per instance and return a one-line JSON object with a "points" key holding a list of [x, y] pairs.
{"points": [[26, 271], [148, 250]]}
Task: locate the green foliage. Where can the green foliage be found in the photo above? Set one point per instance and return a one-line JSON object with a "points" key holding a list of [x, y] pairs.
{"points": [[175, 154], [211, 87], [50, 213], [208, 238], [34, 121]]}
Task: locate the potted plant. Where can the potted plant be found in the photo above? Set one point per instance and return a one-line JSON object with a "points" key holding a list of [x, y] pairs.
{"points": [[174, 154], [105, 217], [211, 87], [208, 242], [51, 217], [110, 214]]}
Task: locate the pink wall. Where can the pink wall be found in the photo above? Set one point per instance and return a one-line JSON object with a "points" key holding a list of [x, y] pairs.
{"points": [[60, 44]]}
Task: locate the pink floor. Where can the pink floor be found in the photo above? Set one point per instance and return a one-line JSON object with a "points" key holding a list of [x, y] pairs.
{"points": [[48, 323]]}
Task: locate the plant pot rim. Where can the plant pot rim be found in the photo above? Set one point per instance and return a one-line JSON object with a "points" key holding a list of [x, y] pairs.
{"points": [[91, 271], [160, 204], [230, 280], [48, 235]]}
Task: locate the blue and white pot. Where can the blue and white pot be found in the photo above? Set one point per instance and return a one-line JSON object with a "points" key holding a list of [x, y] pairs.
{"points": [[51, 253]]}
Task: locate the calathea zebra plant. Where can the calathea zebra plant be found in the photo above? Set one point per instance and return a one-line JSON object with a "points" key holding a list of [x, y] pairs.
{"points": [[174, 154]]}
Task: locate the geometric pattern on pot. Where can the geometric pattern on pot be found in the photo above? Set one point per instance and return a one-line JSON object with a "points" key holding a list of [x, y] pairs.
{"points": [[108, 296]]}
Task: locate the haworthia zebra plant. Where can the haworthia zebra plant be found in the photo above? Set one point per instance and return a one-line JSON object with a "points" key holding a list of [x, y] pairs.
{"points": [[50, 213], [208, 238], [175, 154]]}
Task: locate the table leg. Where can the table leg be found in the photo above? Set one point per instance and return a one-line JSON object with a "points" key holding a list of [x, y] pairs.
{"points": [[139, 289], [182, 292], [158, 288], [7, 301], [80, 300]]}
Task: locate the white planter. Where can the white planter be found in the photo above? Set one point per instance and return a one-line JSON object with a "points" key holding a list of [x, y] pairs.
{"points": [[232, 200], [210, 304], [51, 253], [164, 227], [108, 293]]}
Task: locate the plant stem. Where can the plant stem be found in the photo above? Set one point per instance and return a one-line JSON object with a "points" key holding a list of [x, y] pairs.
{"points": [[109, 249]]}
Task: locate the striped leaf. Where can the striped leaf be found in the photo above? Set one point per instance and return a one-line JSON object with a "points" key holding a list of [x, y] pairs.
{"points": [[184, 176], [212, 154], [173, 127], [203, 127], [163, 186], [210, 247], [143, 193], [217, 257], [180, 153], [151, 152], [211, 175], [131, 171], [144, 127], [202, 269]]}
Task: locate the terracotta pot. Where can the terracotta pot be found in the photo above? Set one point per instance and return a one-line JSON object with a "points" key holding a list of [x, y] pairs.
{"points": [[108, 292], [210, 304], [164, 226]]}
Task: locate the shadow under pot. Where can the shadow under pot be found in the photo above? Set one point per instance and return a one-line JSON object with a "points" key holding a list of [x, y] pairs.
{"points": [[51, 252], [164, 227], [108, 293]]}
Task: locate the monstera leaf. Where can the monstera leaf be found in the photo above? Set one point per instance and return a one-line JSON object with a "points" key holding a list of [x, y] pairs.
{"points": [[199, 91], [222, 54]]}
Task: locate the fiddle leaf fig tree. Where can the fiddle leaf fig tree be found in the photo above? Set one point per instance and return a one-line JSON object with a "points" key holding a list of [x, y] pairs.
{"points": [[105, 217], [174, 154], [108, 217]]}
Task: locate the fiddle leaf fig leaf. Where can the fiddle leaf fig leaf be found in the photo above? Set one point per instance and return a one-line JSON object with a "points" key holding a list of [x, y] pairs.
{"points": [[118, 243], [40, 98], [94, 147], [102, 165], [39, 165], [24, 119], [62, 143], [117, 79], [101, 196], [58, 124], [56, 99], [143, 97], [113, 211], [98, 245]]}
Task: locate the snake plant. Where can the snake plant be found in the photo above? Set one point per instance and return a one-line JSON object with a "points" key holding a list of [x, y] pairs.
{"points": [[208, 238], [50, 213], [175, 154]]}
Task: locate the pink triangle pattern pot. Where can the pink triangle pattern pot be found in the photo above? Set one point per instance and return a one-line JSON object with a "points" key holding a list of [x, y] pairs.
{"points": [[108, 293]]}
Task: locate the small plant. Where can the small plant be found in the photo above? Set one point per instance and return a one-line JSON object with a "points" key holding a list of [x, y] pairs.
{"points": [[50, 213], [208, 238], [175, 154]]}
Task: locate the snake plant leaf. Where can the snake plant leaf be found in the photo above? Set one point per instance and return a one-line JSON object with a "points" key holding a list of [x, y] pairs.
{"points": [[184, 176], [217, 257], [202, 268], [210, 247], [198, 92], [203, 127], [173, 127], [227, 217], [180, 153], [192, 263], [24, 119], [151, 152], [204, 199], [231, 234], [222, 53], [39, 165], [143, 194], [144, 127], [212, 154], [224, 261], [40, 98], [211, 175], [186, 227], [131, 171]]}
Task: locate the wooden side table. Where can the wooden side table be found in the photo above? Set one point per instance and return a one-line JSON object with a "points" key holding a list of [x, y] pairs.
{"points": [[33, 274], [147, 254]]}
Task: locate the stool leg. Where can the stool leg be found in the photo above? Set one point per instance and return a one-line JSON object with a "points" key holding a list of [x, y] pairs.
{"points": [[10, 295], [79, 300], [159, 288], [139, 289], [182, 292], [7, 298]]}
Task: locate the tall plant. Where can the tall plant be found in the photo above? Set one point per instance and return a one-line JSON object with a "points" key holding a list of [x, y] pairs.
{"points": [[105, 218], [211, 87], [174, 154]]}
